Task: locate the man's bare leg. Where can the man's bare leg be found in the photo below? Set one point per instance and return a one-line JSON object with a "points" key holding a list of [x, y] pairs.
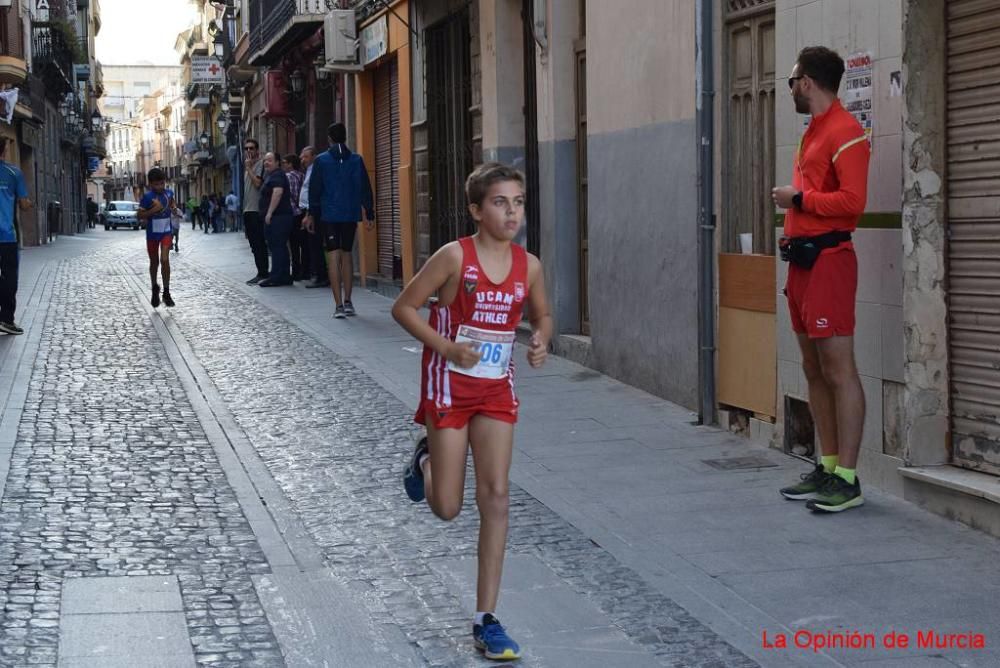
{"points": [[836, 355], [347, 273], [821, 397], [492, 446], [333, 272]]}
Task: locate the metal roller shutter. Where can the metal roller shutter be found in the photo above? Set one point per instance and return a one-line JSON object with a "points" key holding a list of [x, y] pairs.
{"points": [[973, 124], [387, 170]]}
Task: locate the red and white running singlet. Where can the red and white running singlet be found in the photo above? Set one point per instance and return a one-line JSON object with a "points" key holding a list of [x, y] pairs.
{"points": [[487, 314]]}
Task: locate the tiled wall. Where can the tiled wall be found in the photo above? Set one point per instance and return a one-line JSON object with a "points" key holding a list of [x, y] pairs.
{"points": [[850, 26]]}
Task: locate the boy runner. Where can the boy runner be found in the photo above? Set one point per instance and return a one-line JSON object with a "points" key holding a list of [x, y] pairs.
{"points": [[156, 207], [483, 283]]}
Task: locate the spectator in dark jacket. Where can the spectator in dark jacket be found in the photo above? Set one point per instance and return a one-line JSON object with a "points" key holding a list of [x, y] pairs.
{"points": [[276, 207], [339, 195]]}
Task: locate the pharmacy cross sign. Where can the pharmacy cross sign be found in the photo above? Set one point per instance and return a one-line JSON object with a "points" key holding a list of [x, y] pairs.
{"points": [[207, 70]]}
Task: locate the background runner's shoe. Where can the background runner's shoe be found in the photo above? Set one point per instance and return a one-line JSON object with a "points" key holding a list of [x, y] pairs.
{"points": [[10, 328], [837, 495], [811, 483], [492, 639], [413, 477]]}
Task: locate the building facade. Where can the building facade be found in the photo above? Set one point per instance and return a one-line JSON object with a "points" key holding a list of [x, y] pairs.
{"points": [[126, 89], [48, 57]]}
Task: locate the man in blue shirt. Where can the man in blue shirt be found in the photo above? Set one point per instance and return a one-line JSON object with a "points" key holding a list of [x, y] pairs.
{"points": [[339, 190], [156, 208], [13, 194]]}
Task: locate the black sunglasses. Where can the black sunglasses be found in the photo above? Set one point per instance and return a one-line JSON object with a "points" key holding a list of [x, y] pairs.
{"points": [[792, 80]]}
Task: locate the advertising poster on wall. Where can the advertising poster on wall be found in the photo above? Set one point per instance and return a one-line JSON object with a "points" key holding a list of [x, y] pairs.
{"points": [[857, 90]]}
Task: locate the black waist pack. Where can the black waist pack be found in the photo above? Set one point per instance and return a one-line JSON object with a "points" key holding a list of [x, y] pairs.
{"points": [[804, 251]]}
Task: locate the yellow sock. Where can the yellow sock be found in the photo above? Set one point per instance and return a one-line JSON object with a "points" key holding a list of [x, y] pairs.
{"points": [[829, 462], [850, 475]]}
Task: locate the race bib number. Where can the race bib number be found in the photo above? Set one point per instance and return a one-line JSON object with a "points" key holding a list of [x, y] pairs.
{"points": [[494, 348]]}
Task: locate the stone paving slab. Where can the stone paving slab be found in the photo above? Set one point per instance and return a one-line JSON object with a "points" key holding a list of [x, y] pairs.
{"points": [[149, 593], [136, 639], [319, 622]]}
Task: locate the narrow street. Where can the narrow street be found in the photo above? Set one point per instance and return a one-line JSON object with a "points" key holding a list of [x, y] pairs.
{"points": [[219, 484]]}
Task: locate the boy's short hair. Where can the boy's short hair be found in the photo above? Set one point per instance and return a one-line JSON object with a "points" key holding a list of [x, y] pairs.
{"points": [[156, 174], [337, 133], [822, 65], [486, 175]]}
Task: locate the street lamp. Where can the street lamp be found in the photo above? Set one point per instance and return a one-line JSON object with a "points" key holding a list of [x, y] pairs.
{"points": [[297, 81], [204, 140], [222, 120], [95, 119], [224, 105]]}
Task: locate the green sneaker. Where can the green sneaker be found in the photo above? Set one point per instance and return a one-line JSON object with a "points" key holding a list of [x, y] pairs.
{"points": [[810, 485], [837, 495]]}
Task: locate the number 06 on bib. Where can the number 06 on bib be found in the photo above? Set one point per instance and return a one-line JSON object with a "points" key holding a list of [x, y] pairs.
{"points": [[494, 348]]}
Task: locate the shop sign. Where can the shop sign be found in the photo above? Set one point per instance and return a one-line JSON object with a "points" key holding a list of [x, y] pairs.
{"points": [[374, 41]]}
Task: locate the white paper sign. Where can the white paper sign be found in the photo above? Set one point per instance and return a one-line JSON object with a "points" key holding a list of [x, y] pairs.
{"points": [[858, 90]]}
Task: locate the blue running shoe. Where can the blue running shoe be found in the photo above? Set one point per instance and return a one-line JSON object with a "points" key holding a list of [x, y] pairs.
{"points": [[413, 477], [492, 639]]}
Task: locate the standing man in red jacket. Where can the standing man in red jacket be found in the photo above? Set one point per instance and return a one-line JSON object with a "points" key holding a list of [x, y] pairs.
{"points": [[823, 206]]}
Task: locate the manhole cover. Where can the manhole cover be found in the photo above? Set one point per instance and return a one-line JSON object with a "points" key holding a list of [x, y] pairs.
{"points": [[736, 463]]}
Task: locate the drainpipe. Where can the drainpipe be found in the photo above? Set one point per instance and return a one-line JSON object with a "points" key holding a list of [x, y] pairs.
{"points": [[706, 218]]}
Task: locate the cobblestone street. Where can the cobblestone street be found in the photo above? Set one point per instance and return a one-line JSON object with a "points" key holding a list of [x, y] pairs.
{"points": [[245, 450]]}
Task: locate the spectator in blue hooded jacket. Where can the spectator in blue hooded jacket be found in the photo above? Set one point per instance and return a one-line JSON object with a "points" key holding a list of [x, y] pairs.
{"points": [[338, 191]]}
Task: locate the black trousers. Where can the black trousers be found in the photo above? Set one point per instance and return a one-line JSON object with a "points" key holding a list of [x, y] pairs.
{"points": [[317, 255], [8, 280], [254, 229], [298, 243]]}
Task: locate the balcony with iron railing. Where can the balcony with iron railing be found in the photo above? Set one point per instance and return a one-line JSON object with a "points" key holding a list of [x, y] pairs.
{"points": [[52, 58], [275, 25], [98, 79]]}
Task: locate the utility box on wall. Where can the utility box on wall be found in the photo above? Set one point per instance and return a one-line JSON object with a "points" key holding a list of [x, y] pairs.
{"points": [[276, 94], [340, 39]]}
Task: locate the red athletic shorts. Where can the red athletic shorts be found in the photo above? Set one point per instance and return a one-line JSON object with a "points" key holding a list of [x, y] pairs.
{"points": [[821, 299], [153, 246], [499, 406]]}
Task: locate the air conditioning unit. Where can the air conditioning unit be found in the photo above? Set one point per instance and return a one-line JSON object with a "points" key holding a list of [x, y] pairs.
{"points": [[341, 41]]}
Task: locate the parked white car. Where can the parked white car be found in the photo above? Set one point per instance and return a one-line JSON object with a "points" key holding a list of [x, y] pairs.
{"points": [[121, 214]]}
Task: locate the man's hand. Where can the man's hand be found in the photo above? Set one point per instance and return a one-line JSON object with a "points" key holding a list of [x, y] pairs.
{"points": [[307, 224], [782, 196], [462, 354], [267, 219], [538, 351]]}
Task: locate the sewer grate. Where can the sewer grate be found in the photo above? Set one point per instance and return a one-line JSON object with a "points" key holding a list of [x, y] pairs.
{"points": [[738, 463]]}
